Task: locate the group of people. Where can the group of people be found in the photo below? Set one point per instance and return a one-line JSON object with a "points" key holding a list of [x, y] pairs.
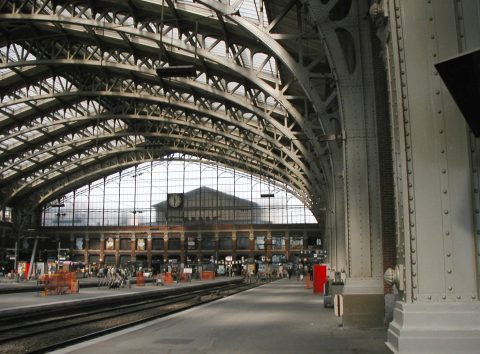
{"points": [[113, 277]]}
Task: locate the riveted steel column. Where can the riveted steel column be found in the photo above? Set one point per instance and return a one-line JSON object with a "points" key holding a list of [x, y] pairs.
{"points": [[348, 42], [336, 219], [439, 312], [469, 38]]}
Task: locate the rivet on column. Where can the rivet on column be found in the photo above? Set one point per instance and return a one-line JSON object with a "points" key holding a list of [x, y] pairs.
{"points": [[449, 254], [450, 288], [444, 297]]}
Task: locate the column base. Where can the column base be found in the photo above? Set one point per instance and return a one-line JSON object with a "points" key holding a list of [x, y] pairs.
{"points": [[363, 303], [435, 328]]}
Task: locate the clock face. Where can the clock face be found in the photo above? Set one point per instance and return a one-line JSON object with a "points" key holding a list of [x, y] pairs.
{"points": [[175, 200]]}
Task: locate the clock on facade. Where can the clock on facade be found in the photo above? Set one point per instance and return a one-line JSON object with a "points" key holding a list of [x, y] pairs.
{"points": [[175, 200]]}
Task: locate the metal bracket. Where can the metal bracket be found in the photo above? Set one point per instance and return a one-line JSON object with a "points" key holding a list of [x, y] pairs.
{"points": [[395, 277]]}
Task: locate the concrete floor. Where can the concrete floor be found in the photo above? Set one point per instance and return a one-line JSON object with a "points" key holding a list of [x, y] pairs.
{"points": [[280, 317]]}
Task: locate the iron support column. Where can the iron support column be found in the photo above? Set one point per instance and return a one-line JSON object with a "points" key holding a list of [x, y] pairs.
{"points": [[439, 311], [348, 43]]}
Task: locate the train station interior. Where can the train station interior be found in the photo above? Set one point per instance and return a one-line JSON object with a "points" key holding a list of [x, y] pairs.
{"points": [[250, 139]]}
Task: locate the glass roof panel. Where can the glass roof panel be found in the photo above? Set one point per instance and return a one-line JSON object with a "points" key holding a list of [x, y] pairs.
{"points": [[248, 9]]}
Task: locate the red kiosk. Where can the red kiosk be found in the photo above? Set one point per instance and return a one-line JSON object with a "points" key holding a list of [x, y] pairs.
{"points": [[319, 278]]}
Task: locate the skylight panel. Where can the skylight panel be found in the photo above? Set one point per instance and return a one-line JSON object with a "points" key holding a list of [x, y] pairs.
{"points": [[10, 143], [250, 9], [8, 172], [24, 164], [259, 63], [61, 149], [5, 71], [14, 108], [30, 135], [202, 78], [43, 156]]}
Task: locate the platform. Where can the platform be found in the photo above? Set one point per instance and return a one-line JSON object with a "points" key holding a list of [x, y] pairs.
{"points": [[278, 317], [28, 301]]}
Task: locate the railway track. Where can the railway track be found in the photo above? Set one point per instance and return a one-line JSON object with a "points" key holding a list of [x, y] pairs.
{"points": [[44, 332]]}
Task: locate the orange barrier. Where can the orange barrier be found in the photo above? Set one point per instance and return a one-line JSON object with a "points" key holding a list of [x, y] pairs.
{"points": [[184, 277], [167, 278], [140, 279], [60, 283], [308, 283], [208, 275]]}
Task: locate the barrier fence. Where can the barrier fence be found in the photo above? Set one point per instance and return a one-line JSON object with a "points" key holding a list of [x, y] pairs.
{"points": [[60, 283]]}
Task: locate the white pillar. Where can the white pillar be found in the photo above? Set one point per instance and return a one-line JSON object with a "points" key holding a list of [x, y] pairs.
{"points": [[440, 311], [348, 42]]}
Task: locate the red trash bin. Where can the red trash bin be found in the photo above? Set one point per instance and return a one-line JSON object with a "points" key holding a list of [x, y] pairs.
{"points": [[319, 278]]}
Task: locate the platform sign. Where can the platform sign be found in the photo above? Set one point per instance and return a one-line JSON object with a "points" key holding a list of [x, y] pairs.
{"points": [[187, 270], [338, 305]]}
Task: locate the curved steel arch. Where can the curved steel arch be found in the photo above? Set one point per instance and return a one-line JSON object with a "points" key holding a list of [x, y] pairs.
{"points": [[206, 55], [311, 157], [222, 117], [164, 100], [112, 137], [86, 62]]}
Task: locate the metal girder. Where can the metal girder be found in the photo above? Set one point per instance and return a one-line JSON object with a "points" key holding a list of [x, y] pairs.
{"points": [[280, 53], [181, 46], [293, 135], [184, 106], [200, 88], [252, 149]]}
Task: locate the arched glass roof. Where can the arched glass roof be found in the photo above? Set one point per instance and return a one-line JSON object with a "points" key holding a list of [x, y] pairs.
{"points": [[138, 196], [83, 94]]}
